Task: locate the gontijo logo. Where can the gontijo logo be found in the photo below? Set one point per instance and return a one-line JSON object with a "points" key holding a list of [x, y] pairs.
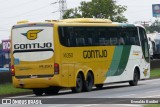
{"points": [[32, 34], [32, 46]]}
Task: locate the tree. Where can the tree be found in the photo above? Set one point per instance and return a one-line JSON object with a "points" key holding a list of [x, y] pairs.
{"points": [[155, 26], [99, 9]]}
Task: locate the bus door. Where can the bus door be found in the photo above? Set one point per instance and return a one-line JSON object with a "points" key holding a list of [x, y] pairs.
{"points": [[145, 49], [67, 75]]}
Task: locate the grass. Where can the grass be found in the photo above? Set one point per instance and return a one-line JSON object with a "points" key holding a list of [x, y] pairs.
{"points": [[152, 105], [9, 89], [155, 73]]}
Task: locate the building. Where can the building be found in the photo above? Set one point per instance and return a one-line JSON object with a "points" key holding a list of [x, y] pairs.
{"points": [[5, 54]]}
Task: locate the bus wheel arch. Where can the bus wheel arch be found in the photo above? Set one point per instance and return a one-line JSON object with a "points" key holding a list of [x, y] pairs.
{"points": [[79, 82], [136, 77], [89, 81]]}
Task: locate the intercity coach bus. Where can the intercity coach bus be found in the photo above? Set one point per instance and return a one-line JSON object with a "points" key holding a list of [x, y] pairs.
{"points": [[77, 53]]}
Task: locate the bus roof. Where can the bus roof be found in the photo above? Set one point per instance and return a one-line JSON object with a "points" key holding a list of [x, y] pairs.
{"points": [[72, 20], [96, 20], [86, 20], [77, 20]]}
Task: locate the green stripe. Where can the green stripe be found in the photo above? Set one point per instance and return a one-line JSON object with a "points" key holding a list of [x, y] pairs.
{"points": [[115, 60], [124, 60], [119, 61]]}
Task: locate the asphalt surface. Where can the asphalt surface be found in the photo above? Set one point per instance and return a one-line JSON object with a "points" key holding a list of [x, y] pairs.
{"points": [[113, 95]]}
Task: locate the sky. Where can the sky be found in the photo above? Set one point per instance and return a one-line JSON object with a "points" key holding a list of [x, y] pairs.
{"points": [[12, 11]]}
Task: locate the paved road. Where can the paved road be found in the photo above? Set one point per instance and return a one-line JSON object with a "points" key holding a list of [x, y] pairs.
{"points": [[98, 98]]}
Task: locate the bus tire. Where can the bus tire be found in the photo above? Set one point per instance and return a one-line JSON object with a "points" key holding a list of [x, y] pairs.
{"points": [[79, 84], [52, 91], [38, 92], [99, 86], [89, 82], [134, 82]]}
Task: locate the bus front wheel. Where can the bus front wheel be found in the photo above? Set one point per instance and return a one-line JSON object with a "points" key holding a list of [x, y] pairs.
{"points": [[134, 82], [79, 84]]}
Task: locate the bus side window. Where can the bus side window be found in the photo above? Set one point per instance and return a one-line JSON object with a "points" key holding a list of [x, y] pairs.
{"points": [[90, 41], [72, 37], [107, 41], [63, 37], [80, 42], [144, 43], [68, 42], [102, 41], [113, 41]]}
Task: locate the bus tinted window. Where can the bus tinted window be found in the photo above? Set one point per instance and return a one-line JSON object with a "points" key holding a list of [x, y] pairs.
{"points": [[98, 36]]}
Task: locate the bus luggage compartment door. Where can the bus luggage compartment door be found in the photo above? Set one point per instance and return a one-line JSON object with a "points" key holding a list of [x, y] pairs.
{"points": [[67, 75]]}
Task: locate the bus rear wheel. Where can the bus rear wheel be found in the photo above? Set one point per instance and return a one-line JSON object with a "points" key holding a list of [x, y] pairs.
{"points": [[88, 83], [38, 92], [134, 82], [79, 84]]}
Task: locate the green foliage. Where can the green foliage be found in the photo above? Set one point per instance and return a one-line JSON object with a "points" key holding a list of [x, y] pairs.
{"points": [[155, 73], [72, 13], [107, 9], [154, 27], [9, 89]]}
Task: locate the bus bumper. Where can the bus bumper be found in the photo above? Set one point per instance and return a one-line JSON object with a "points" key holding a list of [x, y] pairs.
{"points": [[30, 83]]}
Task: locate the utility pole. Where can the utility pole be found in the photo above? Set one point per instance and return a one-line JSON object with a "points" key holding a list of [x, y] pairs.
{"points": [[62, 7], [145, 23]]}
